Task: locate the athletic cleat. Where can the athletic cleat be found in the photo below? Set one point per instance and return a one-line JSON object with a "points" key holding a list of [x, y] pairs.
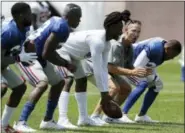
{"points": [[9, 129], [125, 119], [88, 122], [50, 125], [23, 127], [66, 124], [97, 119], [144, 119]]}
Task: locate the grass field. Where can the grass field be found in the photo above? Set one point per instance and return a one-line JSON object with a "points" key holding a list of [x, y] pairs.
{"points": [[168, 108]]}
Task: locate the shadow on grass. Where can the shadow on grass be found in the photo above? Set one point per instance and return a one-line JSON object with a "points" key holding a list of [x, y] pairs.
{"points": [[160, 124], [122, 127], [81, 130]]}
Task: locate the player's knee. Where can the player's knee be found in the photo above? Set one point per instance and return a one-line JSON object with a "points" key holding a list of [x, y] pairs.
{"points": [[4, 88], [42, 86], [126, 90], [159, 86], [20, 90], [81, 84], [61, 83], [23, 88], [68, 83], [113, 90]]}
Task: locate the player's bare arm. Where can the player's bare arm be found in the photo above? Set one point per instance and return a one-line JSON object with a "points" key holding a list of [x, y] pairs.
{"points": [[49, 51]]}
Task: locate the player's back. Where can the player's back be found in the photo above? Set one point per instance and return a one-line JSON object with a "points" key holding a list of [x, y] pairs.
{"points": [[55, 25], [77, 44], [153, 47]]}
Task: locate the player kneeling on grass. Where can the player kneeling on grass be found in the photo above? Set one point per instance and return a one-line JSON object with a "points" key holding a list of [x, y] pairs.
{"points": [[97, 42], [13, 34], [120, 64], [149, 54], [46, 39]]}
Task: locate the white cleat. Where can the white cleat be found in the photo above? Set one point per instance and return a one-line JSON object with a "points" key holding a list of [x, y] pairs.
{"points": [[97, 119], [116, 121], [23, 127], [88, 122], [125, 119], [66, 124], [110, 120], [50, 125], [145, 119]]}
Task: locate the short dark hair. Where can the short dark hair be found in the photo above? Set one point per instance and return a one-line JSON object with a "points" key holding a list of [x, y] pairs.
{"points": [[19, 8], [175, 45], [112, 18], [69, 8]]}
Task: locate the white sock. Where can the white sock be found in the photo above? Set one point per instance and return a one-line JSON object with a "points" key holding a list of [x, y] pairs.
{"points": [[96, 114], [81, 98], [7, 113], [63, 105]]}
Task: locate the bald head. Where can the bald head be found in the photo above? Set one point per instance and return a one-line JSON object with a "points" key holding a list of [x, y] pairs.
{"points": [[71, 8], [72, 13]]}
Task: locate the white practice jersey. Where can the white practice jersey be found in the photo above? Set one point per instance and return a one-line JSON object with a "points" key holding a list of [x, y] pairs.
{"points": [[79, 44]]}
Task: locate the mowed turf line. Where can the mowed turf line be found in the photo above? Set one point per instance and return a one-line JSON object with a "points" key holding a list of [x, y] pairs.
{"points": [[168, 108]]}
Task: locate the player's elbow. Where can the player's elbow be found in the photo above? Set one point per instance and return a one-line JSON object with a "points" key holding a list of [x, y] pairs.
{"points": [[45, 55], [111, 69]]}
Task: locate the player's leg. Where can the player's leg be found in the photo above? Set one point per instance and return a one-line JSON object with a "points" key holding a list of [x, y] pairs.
{"points": [[64, 98], [81, 96], [4, 86], [36, 76], [18, 89], [120, 95], [108, 105], [150, 96], [57, 84], [123, 92], [113, 90], [141, 85]]}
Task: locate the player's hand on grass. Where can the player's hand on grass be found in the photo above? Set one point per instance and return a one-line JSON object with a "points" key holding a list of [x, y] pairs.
{"points": [[110, 107]]}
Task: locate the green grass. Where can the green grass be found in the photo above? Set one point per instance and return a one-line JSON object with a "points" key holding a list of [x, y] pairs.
{"points": [[168, 108]]}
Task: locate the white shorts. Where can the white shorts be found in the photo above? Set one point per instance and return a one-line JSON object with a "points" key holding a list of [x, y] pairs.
{"points": [[79, 73], [36, 73], [64, 72], [152, 80], [10, 78]]}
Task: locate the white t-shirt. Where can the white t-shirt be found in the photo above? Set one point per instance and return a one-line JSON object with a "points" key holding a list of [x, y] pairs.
{"points": [[79, 44]]}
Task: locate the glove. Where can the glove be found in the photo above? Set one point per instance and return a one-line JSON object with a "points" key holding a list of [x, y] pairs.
{"points": [[27, 57]]}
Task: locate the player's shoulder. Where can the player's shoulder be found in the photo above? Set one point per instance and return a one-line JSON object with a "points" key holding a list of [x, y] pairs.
{"points": [[97, 35], [115, 45], [58, 20], [8, 27], [149, 41], [157, 39]]}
